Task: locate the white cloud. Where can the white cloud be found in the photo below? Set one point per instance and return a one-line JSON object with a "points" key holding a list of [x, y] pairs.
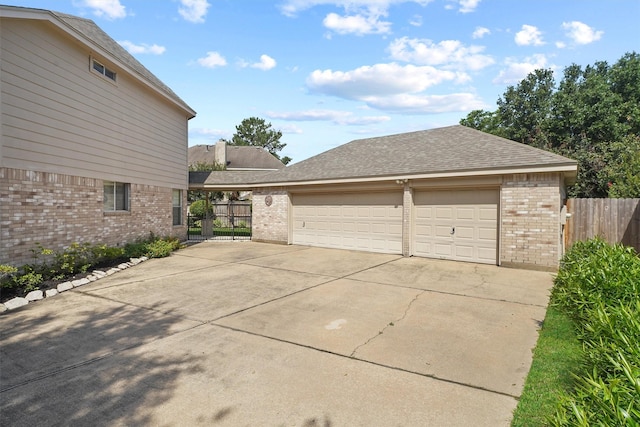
{"points": [[480, 32], [516, 71], [212, 60], [379, 80], [416, 21], [357, 24], [209, 133], [111, 9], [135, 49], [291, 129], [293, 7], [335, 116], [266, 63], [581, 33], [427, 104], [467, 6], [529, 35], [448, 53], [194, 10]]}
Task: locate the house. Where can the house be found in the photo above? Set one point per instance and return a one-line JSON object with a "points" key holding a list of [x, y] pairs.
{"points": [[234, 157], [450, 193], [93, 146]]}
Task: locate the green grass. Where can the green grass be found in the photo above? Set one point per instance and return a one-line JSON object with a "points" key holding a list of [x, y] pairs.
{"points": [[223, 231], [557, 354]]}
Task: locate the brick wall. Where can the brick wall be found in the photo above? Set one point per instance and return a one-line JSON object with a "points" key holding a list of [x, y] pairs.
{"points": [[56, 210], [530, 220], [270, 223]]}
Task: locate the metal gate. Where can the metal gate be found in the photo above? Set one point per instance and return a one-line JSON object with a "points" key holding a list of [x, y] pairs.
{"points": [[228, 221]]}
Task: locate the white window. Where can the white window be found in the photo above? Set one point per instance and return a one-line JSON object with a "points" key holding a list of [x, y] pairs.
{"points": [[177, 207], [101, 69], [116, 196]]}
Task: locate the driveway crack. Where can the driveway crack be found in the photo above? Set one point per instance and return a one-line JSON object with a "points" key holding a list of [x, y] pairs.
{"points": [[392, 323]]}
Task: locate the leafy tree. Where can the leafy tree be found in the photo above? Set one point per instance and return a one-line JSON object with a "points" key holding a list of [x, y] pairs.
{"points": [[592, 116], [258, 133], [206, 167]]}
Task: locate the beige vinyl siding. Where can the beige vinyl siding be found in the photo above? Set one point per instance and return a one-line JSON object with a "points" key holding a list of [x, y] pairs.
{"points": [[59, 116]]}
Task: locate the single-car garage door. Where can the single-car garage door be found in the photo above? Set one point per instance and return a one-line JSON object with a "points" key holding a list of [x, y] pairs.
{"points": [[360, 221], [460, 225]]}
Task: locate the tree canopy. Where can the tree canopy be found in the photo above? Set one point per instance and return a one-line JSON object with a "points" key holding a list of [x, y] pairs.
{"points": [[257, 132], [592, 115]]}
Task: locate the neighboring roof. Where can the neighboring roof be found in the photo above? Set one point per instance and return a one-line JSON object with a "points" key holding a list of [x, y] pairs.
{"points": [[448, 151], [238, 157], [87, 32], [229, 180]]}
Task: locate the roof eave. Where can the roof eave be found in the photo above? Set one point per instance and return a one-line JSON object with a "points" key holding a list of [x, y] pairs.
{"points": [[569, 170]]}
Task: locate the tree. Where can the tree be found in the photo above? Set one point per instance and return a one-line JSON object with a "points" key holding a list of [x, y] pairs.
{"points": [[592, 116], [257, 132], [201, 195]]}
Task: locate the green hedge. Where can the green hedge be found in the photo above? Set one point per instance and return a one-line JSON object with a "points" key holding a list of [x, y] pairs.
{"points": [[598, 286]]}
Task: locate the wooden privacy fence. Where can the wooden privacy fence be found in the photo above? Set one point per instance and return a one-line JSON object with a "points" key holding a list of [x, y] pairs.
{"points": [[615, 220]]}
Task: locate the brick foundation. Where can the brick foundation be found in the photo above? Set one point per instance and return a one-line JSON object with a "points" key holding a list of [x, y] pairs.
{"points": [[55, 210]]}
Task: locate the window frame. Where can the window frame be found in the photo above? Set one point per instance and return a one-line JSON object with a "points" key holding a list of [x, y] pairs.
{"points": [[174, 206], [124, 198], [98, 67]]}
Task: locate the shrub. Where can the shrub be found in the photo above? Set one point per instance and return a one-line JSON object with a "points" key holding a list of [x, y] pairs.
{"points": [[198, 209], [598, 285]]}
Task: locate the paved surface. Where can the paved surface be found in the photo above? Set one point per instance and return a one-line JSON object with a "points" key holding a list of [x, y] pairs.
{"points": [[245, 333]]}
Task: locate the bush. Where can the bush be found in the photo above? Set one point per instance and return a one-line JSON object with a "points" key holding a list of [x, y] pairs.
{"points": [[198, 209], [598, 285], [48, 265]]}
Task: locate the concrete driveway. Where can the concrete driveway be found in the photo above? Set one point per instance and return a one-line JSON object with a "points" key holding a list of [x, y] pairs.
{"points": [[257, 334]]}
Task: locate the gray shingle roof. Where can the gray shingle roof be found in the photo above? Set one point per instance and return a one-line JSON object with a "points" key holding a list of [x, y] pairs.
{"points": [[443, 150], [88, 29], [238, 157]]}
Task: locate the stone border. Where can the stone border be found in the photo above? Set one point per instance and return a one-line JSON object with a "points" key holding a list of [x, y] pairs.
{"points": [[33, 296]]}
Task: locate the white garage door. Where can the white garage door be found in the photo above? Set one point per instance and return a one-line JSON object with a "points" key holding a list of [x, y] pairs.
{"points": [[360, 221], [458, 225]]}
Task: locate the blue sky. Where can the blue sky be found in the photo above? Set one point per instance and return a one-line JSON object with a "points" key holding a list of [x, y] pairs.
{"points": [[325, 72]]}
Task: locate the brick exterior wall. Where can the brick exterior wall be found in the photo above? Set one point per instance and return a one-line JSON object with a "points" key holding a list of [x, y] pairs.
{"points": [[530, 220], [56, 210], [270, 223]]}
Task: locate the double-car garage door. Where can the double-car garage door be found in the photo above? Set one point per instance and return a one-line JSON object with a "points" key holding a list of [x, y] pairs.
{"points": [[458, 225]]}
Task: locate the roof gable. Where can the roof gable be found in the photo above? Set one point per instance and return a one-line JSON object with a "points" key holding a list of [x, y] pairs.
{"points": [[91, 35]]}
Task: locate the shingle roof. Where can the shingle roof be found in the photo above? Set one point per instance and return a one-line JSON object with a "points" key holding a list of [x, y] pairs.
{"points": [[88, 29], [238, 157], [443, 150]]}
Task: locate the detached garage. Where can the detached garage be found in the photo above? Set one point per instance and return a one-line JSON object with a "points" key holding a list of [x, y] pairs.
{"points": [[450, 193]]}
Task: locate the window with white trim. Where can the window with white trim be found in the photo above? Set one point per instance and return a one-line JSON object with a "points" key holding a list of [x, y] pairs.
{"points": [[116, 196], [177, 207], [101, 69]]}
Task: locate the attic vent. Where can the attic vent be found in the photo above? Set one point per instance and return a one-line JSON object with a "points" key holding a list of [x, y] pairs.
{"points": [[103, 70]]}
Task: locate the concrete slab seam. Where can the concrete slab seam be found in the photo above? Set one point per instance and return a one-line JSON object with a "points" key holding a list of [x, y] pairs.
{"points": [[370, 362]]}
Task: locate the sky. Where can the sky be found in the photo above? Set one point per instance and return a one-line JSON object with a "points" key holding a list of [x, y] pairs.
{"points": [[326, 72]]}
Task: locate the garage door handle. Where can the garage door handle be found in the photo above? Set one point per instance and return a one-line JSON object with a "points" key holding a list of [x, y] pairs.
{"points": [[453, 231]]}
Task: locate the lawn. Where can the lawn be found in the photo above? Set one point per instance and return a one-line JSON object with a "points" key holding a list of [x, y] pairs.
{"points": [[557, 354], [223, 231]]}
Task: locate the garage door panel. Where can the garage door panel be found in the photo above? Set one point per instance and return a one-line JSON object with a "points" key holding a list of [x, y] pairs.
{"points": [[366, 221], [472, 213]]}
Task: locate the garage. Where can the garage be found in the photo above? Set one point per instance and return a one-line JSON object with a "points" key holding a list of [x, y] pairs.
{"points": [[359, 221], [459, 225]]}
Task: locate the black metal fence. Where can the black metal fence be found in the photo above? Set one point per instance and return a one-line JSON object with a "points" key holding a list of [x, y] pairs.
{"points": [[229, 221]]}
